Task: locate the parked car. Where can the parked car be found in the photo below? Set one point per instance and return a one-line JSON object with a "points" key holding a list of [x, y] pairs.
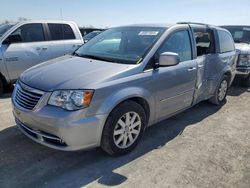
{"points": [[91, 35], [241, 36], [29, 43], [120, 82]]}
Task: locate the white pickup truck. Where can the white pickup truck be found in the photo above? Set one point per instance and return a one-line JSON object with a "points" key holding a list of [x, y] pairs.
{"points": [[25, 44], [241, 36]]}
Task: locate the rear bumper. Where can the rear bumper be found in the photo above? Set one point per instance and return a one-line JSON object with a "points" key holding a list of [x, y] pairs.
{"points": [[68, 132]]}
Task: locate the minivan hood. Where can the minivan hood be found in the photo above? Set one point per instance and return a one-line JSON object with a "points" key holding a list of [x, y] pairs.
{"points": [[243, 48], [71, 72]]}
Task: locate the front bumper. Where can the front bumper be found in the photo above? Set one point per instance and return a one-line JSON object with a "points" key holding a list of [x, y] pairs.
{"points": [[242, 71], [60, 129]]}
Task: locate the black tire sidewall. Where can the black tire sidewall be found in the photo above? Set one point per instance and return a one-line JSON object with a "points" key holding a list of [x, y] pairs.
{"points": [[247, 81], [1, 87], [107, 142]]}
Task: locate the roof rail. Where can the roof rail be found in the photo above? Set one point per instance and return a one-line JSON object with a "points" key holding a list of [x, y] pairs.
{"points": [[192, 23]]}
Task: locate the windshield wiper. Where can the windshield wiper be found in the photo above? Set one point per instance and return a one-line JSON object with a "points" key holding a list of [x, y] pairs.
{"points": [[76, 54], [93, 57]]}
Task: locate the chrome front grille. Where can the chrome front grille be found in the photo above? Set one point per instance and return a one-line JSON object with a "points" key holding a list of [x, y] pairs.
{"points": [[27, 97]]}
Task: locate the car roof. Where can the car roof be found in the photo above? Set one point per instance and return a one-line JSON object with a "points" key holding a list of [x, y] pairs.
{"points": [[235, 26], [149, 25], [45, 21], [194, 24]]}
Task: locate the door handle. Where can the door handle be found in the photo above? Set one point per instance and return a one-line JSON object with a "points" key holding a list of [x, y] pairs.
{"points": [[200, 66], [43, 48], [191, 69], [76, 45]]}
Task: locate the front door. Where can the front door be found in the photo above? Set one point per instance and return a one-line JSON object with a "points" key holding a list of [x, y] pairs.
{"points": [[29, 48], [175, 85]]}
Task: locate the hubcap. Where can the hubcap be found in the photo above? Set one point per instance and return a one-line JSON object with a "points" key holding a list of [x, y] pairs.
{"points": [[222, 90], [127, 130]]}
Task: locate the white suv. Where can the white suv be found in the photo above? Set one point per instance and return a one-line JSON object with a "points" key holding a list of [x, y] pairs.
{"points": [[29, 43]]}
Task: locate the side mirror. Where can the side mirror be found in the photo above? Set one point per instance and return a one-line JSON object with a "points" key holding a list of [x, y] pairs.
{"points": [[168, 59], [12, 39]]}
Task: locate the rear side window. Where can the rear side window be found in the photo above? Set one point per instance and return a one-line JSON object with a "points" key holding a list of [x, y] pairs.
{"points": [[61, 32], [204, 41], [179, 43], [30, 33], [226, 42]]}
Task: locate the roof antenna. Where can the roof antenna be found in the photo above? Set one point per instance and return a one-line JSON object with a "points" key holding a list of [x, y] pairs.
{"points": [[61, 14]]}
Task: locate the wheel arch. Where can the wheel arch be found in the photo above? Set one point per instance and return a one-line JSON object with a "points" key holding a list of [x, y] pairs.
{"points": [[227, 71], [138, 95], [228, 74], [141, 101], [103, 133]]}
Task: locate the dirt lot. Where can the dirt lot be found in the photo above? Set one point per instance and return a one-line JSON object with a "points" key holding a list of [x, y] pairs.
{"points": [[205, 146]]}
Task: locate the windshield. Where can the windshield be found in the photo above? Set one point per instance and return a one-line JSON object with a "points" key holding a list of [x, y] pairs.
{"points": [[239, 33], [126, 45], [4, 28]]}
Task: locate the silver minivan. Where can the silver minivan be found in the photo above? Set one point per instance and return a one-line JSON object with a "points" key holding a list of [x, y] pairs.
{"points": [[29, 43], [122, 81]]}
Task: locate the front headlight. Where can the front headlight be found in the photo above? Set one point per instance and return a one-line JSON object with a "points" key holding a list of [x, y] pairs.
{"points": [[71, 99]]}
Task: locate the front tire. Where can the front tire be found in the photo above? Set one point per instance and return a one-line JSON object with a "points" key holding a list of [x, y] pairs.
{"points": [[124, 128], [1, 87], [220, 92]]}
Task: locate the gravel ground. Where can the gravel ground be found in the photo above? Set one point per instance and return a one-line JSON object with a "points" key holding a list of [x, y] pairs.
{"points": [[205, 146]]}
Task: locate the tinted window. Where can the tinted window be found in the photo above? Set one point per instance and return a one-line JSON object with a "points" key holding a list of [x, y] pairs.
{"points": [[179, 43], [239, 33], [4, 28], [61, 32], [30, 33], [204, 41], [226, 42]]}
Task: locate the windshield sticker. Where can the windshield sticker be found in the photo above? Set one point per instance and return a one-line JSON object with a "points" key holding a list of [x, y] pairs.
{"points": [[246, 28], [139, 61], [148, 33]]}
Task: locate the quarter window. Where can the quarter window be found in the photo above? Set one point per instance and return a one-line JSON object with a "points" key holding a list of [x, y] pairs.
{"points": [[29, 33], [204, 42], [61, 32], [179, 43], [226, 42]]}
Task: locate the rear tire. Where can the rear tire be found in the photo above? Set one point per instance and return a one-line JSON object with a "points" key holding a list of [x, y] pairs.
{"points": [[246, 81], [220, 92], [124, 128]]}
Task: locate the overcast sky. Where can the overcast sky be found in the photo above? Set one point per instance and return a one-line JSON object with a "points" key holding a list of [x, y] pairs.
{"points": [[107, 13]]}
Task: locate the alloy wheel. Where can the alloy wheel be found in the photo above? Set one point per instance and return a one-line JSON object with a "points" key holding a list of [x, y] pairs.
{"points": [[222, 90], [127, 130]]}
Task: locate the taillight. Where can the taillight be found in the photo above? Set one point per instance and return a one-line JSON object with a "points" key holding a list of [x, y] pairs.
{"points": [[244, 60]]}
